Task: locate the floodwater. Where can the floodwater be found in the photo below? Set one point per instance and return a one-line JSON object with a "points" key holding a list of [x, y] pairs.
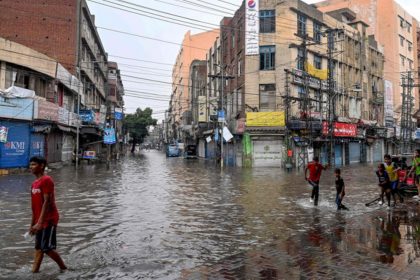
{"points": [[152, 217]]}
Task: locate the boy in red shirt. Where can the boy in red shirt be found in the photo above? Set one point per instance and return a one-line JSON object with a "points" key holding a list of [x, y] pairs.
{"points": [[315, 171], [44, 215]]}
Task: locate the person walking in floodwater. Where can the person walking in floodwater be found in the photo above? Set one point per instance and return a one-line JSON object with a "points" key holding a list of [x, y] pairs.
{"points": [[44, 215], [340, 188], [384, 184], [315, 171]]}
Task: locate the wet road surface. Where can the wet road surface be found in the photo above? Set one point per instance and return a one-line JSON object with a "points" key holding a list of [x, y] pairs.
{"points": [[150, 217]]}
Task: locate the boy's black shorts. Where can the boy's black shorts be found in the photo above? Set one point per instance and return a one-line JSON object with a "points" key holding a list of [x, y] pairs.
{"points": [[45, 239]]}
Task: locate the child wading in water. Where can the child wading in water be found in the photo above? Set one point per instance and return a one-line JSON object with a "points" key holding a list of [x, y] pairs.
{"points": [[340, 187], [384, 183]]}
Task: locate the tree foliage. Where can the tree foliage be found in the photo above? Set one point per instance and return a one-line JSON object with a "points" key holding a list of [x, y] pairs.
{"points": [[137, 125]]}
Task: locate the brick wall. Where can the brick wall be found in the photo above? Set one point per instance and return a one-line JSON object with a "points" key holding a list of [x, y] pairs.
{"points": [[49, 27]]}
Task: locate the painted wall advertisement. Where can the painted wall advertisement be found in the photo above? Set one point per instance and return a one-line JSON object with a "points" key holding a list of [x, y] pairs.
{"points": [[265, 119], [389, 105], [251, 27], [341, 129]]}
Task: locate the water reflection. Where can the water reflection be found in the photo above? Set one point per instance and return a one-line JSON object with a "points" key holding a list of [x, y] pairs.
{"points": [[150, 217]]}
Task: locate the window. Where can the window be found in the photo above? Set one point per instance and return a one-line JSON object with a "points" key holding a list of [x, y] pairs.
{"points": [[301, 60], [268, 97], [317, 32], [410, 64], [301, 95], [401, 22], [239, 68], [267, 21], [301, 25], [410, 46], [267, 57], [408, 27], [402, 41], [317, 62], [402, 60], [233, 40]]}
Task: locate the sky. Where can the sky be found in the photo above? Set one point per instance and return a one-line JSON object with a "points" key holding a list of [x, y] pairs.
{"points": [[145, 44]]}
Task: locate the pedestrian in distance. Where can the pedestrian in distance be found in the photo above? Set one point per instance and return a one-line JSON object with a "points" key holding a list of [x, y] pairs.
{"points": [[416, 167], [392, 170], [340, 188], [44, 215], [315, 170], [384, 184]]}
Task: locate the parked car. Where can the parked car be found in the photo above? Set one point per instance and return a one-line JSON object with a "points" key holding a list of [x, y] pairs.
{"points": [[172, 150], [190, 152]]}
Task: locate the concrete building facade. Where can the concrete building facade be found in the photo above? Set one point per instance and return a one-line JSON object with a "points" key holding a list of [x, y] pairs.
{"points": [[193, 47], [395, 30], [260, 87]]}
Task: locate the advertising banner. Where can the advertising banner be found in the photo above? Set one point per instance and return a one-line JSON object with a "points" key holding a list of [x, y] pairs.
{"points": [[118, 114], [202, 109], [265, 119], [87, 116], [109, 136], [252, 26], [341, 129], [389, 105], [321, 74]]}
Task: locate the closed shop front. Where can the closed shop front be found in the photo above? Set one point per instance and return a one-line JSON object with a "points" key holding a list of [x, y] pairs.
{"points": [[211, 149], [54, 146], [202, 148], [377, 149], [354, 152], [14, 152], [338, 150], [68, 147], [267, 152], [37, 145], [230, 154]]}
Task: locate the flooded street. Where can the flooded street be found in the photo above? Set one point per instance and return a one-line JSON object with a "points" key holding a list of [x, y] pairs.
{"points": [[150, 217]]}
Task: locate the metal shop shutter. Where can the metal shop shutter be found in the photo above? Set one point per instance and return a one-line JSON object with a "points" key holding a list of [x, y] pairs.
{"points": [[15, 152], [354, 152], [267, 153]]}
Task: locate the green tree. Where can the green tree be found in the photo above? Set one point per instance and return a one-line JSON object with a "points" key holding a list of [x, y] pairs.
{"points": [[137, 125]]}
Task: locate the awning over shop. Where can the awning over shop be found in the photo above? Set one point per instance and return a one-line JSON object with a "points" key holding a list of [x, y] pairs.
{"points": [[266, 130], [90, 130], [66, 128], [41, 128]]}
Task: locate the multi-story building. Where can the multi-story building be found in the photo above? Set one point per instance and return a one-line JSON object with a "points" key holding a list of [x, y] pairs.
{"points": [[291, 37], [36, 111], [65, 31], [194, 47], [115, 104], [395, 30]]}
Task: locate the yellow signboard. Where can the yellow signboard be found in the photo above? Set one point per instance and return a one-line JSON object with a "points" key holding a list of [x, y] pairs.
{"points": [[321, 74], [265, 119]]}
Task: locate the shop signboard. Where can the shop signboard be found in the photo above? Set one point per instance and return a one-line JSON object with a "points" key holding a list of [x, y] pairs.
{"points": [[341, 129], [87, 116], [118, 114], [251, 27], [270, 119], [45, 110]]}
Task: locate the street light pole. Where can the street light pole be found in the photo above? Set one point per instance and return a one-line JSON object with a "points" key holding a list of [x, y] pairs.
{"points": [[223, 120]]}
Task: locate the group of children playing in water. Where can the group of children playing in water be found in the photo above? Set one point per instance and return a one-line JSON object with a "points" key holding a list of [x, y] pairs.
{"points": [[388, 173]]}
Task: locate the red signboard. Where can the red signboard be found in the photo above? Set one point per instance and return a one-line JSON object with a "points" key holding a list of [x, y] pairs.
{"points": [[341, 129]]}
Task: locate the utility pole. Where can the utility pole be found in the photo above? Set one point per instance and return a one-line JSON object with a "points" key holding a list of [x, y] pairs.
{"points": [[406, 133], [331, 94]]}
